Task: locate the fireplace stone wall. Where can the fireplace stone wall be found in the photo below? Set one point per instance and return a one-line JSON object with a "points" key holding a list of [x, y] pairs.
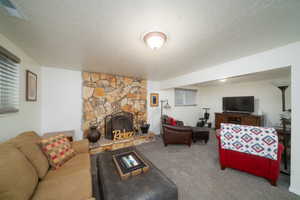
{"points": [[105, 94]]}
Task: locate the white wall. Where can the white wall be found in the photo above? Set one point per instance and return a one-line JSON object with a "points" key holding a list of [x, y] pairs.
{"points": [[295, 141], [29, 115], [188, 114], [61, 100], [267, 98], [153, 113]]}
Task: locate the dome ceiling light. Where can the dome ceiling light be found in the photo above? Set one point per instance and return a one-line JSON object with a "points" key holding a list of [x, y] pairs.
{"points": [[155, 40]]}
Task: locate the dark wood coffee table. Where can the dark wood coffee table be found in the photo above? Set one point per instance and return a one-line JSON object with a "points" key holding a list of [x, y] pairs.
{"points": [[200, 133]]}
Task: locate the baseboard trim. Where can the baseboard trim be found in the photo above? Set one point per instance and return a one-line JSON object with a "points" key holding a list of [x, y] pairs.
{"points": [[294, 190]]}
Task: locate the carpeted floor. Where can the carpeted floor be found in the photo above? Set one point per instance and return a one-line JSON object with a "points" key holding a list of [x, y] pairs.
{"points": [[197, 174]]}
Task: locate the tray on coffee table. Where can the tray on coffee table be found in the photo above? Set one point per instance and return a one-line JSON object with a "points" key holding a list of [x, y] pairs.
{"points": [[129, 164]]}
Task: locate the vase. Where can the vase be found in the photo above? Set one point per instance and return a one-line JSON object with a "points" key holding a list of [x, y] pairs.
{"points": [[145, 128], [93, 135]]}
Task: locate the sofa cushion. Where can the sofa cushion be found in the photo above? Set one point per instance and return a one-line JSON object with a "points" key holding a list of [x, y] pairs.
{"points": [[37, 158], [79, 162], [27, 143], [18, 178], [71, 181], [171, 121], [58, 150], [30, 136]]}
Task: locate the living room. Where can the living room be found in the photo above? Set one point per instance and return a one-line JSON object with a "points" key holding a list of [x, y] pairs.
{"points": [[150, 61]]}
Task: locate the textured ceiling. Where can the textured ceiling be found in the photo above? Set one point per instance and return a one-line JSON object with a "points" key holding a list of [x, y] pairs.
{"points": [[106, 36]]}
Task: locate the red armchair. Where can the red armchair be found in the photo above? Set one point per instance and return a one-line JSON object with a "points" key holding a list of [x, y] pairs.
{"points": [[257, 165]]}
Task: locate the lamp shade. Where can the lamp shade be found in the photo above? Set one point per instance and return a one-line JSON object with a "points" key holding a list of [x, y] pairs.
{"points": [[167, 106]]}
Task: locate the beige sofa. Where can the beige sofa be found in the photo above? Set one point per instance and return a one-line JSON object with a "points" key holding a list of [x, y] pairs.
{"points": [[25, 173]]}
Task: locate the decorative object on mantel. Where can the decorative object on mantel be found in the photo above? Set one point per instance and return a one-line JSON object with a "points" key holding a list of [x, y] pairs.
{"points": [[130, 164], [144, 127], [93, 134], [31, 86], [154, 99], [121, 135]]}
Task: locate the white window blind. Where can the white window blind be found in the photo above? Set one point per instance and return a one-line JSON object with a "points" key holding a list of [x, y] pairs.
{"points": [[185, 97], [9, 85]]}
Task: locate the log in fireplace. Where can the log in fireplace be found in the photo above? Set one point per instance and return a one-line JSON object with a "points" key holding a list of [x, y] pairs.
{"points": [[118, 121]]}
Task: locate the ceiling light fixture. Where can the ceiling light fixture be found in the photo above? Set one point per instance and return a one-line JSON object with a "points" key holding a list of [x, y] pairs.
{"points": [[155, 40], [223, 80]]}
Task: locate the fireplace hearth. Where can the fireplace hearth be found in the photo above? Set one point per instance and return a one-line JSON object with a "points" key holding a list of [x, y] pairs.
{"points": [[118, 121]]}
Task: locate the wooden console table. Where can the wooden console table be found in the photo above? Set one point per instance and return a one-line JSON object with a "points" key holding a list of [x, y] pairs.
{"points": [[238, 118]]}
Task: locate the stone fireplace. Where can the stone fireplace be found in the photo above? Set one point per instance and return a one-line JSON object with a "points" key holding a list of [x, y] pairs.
{"points": [[119, 121], [106, 94]]}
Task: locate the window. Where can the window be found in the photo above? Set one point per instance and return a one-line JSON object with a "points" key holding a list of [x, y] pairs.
{"points": [[9, 83], [185, 97]]}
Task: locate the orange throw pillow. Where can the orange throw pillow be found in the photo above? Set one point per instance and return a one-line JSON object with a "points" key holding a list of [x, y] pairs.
{"points": [[58, 150]]}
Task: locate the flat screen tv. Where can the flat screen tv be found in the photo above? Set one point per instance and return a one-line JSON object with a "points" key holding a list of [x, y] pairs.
{"points": [[243, 104]]}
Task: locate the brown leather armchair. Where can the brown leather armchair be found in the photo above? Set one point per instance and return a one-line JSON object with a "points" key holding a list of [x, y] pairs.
{"points": [[177, 135]]}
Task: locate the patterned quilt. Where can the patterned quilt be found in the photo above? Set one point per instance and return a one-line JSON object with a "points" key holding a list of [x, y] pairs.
{"points": [[254, 140]]}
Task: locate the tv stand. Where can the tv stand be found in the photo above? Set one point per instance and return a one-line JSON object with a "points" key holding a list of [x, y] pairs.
{"points": [[238, 118], [240, 113]]}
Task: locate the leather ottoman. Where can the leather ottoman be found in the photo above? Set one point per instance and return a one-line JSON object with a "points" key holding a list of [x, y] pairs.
{"points": [[200, 133], [152, 185]]}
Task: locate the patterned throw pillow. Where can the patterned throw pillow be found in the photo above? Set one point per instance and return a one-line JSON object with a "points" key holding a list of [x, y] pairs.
{"points": [[58, 150]]}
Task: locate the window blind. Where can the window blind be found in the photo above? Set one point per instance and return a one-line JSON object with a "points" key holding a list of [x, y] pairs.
{"points": [[185, 97], [9, 85]]}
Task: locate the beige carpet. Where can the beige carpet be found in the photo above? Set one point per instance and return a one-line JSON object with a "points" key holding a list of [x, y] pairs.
{"points": [[198, 176]]}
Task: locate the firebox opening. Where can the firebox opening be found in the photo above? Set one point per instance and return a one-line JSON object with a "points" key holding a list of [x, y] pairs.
{"points": [[118, 121]]}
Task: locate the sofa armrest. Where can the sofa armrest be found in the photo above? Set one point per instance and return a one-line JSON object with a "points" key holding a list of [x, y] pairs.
{"points": [[81, 146]]}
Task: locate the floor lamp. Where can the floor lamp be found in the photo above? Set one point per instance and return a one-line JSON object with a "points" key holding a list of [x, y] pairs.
{"points": [[283, 88], [162, 107], [167, 106], [285, 136]]}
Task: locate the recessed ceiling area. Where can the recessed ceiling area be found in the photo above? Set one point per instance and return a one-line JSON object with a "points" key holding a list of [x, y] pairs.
{"points": [[281, 76], [107, 36]]}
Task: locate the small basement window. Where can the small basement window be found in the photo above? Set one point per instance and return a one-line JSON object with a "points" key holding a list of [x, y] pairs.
{"points": [[9, 82], [185, 97]]}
